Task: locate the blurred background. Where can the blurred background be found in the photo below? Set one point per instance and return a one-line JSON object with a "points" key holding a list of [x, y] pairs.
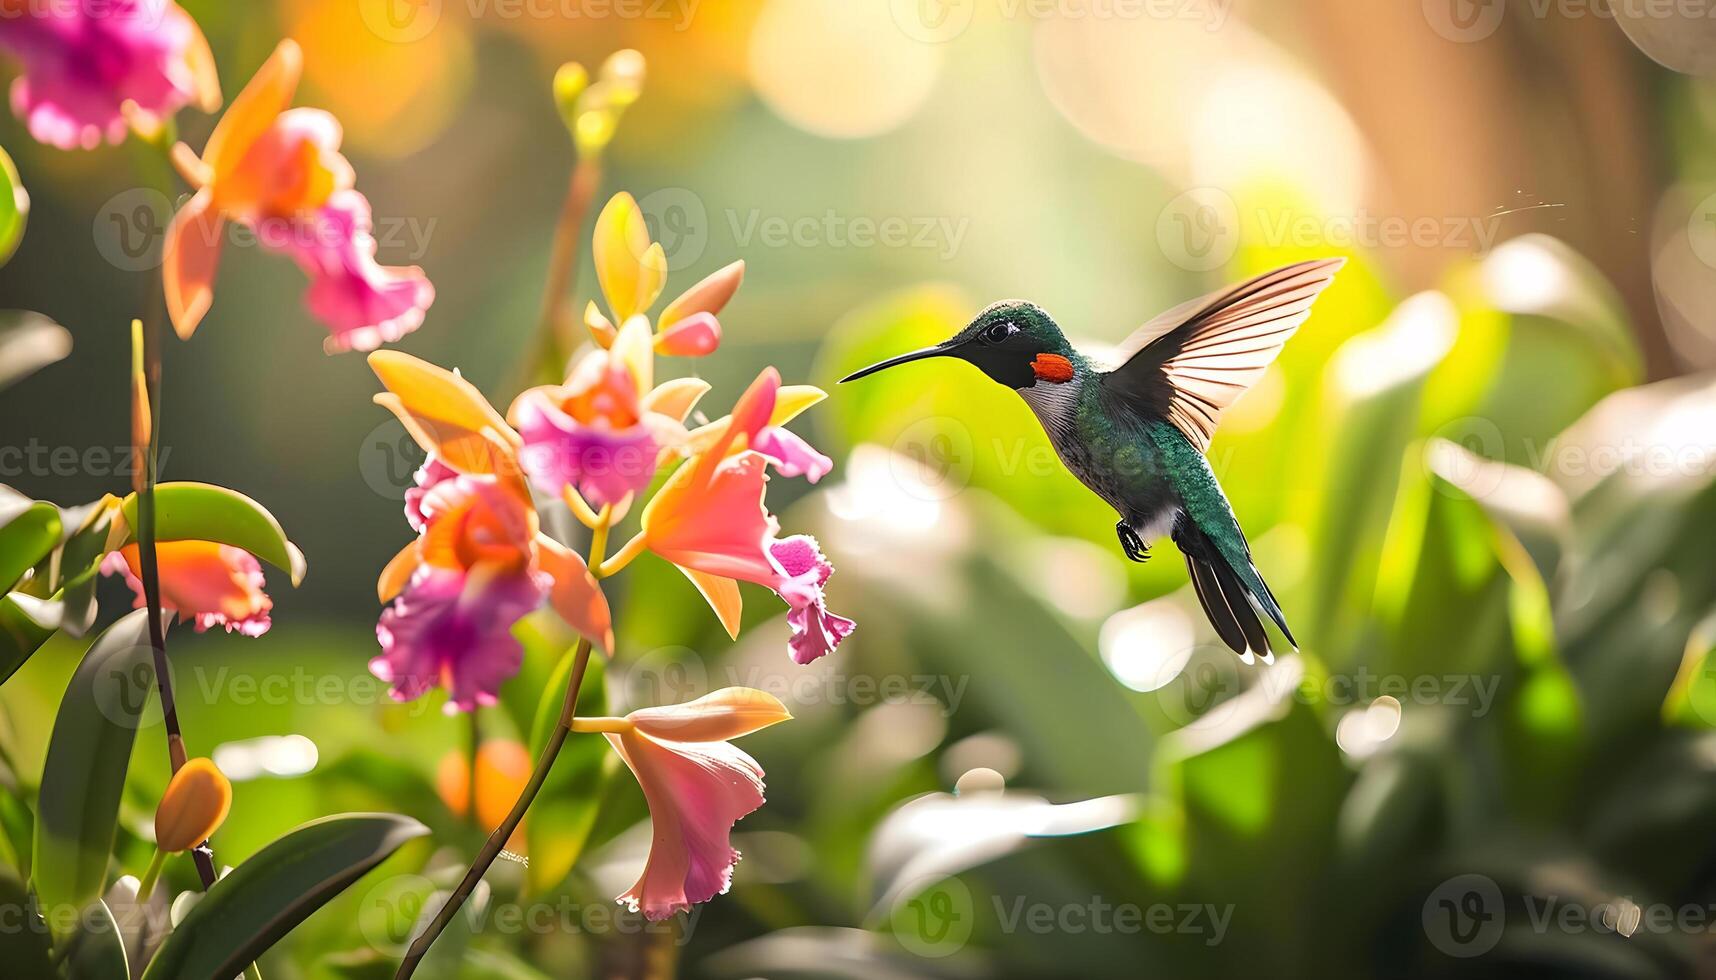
{"points": [[1480, 480]]}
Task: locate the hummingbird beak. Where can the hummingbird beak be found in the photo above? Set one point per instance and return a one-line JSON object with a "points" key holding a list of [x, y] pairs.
{"points": [[939, 350]]}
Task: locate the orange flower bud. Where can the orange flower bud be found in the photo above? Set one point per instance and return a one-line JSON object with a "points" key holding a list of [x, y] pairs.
{"points": [[193, 808]]}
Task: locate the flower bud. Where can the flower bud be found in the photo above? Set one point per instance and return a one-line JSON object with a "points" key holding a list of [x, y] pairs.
{"points": [[569, 85], [193, 808]]}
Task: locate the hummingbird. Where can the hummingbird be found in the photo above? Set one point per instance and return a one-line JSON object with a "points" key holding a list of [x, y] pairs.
{"points": [[1136, 433]]}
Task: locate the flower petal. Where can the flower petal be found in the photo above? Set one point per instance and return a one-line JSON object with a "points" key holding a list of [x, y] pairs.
{"points": [[618, 245], [792, 400], [791, 455], [576, 595], [212, 584], [695, 336], [652, 276], [676, 398], [455, 628], [189, 259], [633, 348], [714, 717], [254, 109], [723, 597], [601, 328], [446, 414], [362, 303], [708, 296], [716, 524], [695, 792], [398, 572]]}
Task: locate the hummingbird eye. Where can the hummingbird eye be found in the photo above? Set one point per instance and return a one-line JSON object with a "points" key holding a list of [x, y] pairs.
{"points": [[995, 333]]}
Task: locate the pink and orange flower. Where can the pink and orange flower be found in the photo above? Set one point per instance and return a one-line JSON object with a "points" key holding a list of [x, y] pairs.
{"points": [[279, 172], [632, 271], [88, 63], [208, 583], [697, 786], [603, 431], [710, 520], [480, 561]]}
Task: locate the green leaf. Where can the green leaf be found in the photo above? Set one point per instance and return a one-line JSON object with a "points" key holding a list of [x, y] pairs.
{"points": [[28, 343], [24, 944], [17, 827], [204, 512], [560, 821], [99, 950], [14, 207], [84, 776], [20, 636], [267, 896], [27, 535]]}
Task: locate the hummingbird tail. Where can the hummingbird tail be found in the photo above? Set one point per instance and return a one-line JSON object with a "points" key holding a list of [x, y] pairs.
{"points": [[1231, 598]]}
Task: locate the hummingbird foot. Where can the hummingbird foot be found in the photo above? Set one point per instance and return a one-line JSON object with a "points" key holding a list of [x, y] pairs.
{"points": [[1129, 540]]}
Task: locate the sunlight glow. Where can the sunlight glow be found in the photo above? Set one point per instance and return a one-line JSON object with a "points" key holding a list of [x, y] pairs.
{"points": [[1414, 338], [273, 755], [839, 69], [1362, 731], [1147, 646]]}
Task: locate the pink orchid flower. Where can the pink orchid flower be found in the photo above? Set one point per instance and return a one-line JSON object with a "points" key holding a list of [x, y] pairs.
{"points": [[480, 561], [632, 270], [209, 583], [710, 521], [84, 60], [279, 172], [452, 622], [697, 787], [602, 432]]}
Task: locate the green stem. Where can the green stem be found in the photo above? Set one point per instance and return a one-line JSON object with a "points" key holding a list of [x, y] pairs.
{"points": [[156, 170], [544, 764], [497, 840], [146, 887]]}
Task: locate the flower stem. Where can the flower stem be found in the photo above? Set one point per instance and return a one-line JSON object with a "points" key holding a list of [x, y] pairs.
{"points": [[497, 840], [630, 550], [157, 173], [544, 764], [555, 335], [146, 887]]}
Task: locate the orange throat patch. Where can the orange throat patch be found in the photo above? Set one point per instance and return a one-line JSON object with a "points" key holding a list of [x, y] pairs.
{"points": [[1052, 368]]}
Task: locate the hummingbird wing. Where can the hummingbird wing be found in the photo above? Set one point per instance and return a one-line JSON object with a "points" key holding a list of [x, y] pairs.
{"points": [[1195, 360]]}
